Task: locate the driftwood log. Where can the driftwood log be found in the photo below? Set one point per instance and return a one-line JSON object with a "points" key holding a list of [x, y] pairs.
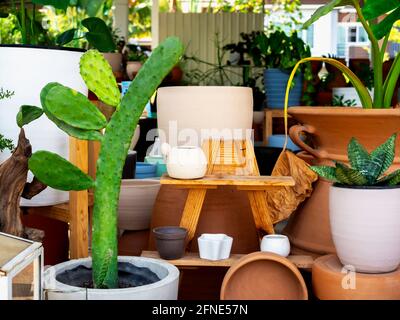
{"points": [[13, 185]]}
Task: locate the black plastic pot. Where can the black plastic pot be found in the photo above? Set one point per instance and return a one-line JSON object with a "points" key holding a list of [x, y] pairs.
{"points": [[170, 242]]}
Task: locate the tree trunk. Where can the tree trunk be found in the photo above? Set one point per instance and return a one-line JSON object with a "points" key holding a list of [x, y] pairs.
{"points": [[13, 175]]}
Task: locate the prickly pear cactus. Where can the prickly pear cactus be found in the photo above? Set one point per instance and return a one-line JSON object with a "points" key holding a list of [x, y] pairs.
{"points": [[115, 143]]}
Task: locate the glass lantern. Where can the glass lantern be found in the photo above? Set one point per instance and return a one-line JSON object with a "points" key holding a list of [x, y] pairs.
{"points": [[21, 268]]}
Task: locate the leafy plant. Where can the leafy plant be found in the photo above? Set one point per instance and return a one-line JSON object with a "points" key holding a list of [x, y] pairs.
{"points": [[4, 142], [369, 15], [5, 94], [367, 169], [338, 101], [73, 113], [136, 53]]}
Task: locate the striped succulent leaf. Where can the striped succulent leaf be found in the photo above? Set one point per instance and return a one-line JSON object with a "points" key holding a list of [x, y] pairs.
{"points": [[390, 179], [325, 172], [358, 156], [349, 176], [382, 157]]}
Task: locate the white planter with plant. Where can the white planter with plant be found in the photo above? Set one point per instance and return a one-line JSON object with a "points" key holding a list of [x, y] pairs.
{"points": [[364, 208]]}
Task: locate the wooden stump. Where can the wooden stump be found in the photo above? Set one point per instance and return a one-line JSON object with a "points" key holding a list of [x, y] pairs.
{"points": [[13, 185]]}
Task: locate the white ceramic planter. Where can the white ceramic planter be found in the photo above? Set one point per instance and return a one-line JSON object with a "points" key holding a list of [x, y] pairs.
{"points": [[26, 70], [188, 114], [184, 162], [215, 246], [276, 243], [136, 201], [365, 226], [165, 289]]}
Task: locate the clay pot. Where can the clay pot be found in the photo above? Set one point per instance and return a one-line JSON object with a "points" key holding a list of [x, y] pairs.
{"points": [[330, 281], [331, 129], [136, 203], [263, 276], [170, 242], [114, 59], [365, 225], [132, 67], [189, 113]]}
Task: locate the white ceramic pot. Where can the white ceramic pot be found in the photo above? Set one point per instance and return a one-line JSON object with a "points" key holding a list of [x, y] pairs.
{"points": [[136, 201], [132, 67], [190, 114], [26, 70], [365, 225], [184, 162], [165, 289], [276, 243], [114, 59], [214, 246]]}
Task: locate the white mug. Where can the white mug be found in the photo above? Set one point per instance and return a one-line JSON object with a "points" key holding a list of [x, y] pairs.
{"points": [[276, 243]]}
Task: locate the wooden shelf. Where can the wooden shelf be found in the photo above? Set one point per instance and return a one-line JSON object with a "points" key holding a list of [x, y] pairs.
{"points": [[269, 115], [191, 259]]}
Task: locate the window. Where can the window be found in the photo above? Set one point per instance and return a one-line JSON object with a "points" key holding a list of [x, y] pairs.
{"points": [[352, 34]]}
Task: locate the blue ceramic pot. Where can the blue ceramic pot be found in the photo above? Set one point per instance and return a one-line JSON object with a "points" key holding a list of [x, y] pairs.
{"points": [[145, 170], [275, 82]]}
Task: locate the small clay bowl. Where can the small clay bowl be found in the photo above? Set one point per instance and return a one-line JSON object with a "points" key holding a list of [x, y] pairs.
{"points": [[170, 242], [263, 276]]}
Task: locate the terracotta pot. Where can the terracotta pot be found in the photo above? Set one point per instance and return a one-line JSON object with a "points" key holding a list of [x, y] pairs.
{"points": [[331, 129], [114, 59], [365, 225], [132, 67], [330, 281], [136, 203], [190, 113], [263, 276]]}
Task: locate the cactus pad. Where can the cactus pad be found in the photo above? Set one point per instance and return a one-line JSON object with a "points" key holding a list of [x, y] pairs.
{"points": [[98, 76], [58, 173], [27, 114]]}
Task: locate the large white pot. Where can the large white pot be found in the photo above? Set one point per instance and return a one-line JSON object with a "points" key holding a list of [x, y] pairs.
{"points": [[26, 70], [186, 114], [365, 226], [165, 289], [136, 201]]}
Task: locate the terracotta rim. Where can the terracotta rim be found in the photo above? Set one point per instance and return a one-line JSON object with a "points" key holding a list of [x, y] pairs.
{"points": [[340, 111], [259, 255]]}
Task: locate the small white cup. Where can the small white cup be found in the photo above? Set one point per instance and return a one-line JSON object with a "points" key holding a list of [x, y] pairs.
{"points": [[276, 243]]}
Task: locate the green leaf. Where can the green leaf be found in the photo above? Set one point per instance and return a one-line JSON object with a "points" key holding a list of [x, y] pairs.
{"points": [[28, 114], [372, 9], [58, 4], [390, 179], [58, 173], [382, 157], [99, 35], [358, 156], [92, 7], [73, 108], [348, 176], [381, 29], [321, 11], [65, 37], [326, 172]]}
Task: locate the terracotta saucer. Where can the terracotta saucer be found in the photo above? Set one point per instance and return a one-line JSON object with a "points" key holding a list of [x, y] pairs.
{"points": [[331, 281], [263, 276]]}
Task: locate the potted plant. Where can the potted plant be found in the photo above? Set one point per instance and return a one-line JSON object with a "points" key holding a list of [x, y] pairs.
{"points": [[5, 144], [364, 206], [73, 113], [332, 127], [136, 58], [26, 68]]}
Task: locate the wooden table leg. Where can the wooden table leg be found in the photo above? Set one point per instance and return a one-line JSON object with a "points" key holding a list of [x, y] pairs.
{"points": [[260, 211], [191, 212]]}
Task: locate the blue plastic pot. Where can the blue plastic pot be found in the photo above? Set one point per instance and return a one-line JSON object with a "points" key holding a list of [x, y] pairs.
{"points": [[145, 170], [278, 140], [275, 82]]}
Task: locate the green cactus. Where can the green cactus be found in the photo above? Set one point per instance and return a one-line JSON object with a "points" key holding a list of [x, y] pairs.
{"points": [[368, 169], [59, 173]]}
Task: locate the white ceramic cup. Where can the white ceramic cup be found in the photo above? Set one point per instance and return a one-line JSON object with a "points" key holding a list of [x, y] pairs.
{"points": [[276, 243]]}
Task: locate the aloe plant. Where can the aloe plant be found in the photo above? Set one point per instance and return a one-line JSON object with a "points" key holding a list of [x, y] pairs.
{"points": [[368, 15], [367, 169], [77, 116]]}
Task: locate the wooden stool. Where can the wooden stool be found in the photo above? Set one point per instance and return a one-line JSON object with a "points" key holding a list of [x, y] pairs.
{"points": [[230, 163], [330, 281]]}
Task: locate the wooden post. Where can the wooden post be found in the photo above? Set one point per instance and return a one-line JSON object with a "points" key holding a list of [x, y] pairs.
{"points": [[79, 203]]}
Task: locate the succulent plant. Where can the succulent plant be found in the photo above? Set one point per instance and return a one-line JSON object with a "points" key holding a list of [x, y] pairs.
{"points": [[77, 116], [367, 169]]}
